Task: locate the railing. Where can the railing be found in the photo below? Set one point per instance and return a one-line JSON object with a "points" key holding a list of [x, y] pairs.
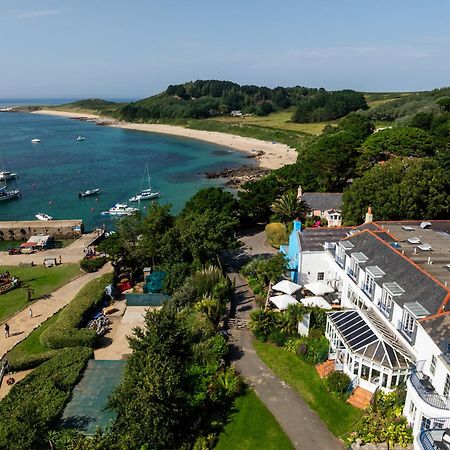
{"points": [[427, 393], [352, 274], [384, 309], [353, 384], [369, 292], [340, 261], [432, 439]]}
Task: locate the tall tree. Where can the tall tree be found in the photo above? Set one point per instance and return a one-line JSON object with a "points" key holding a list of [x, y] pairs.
{"points": [[289, 206], [400, 189]]}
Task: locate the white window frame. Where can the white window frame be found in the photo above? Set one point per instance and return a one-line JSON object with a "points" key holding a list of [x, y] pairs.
{"points": [[447, 386], [408, 323], [433, 365], [386, 302], [369, 284], [354, 267]]}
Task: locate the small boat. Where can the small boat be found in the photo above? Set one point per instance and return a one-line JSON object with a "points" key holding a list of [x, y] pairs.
{"points": [[44, 217], [35, 141], [120, 209], [5, 175], [8, 195], [88, 193], [80, 138], [145, 194]]}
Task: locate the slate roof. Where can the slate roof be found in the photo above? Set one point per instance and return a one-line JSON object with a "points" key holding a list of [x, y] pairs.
{"points": [[323, 200], [438, 328], [418, 285], [313, 239]]}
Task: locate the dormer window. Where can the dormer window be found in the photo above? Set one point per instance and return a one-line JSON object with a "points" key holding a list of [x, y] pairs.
{"points": [[386, 303], [356, 259], [412, 312]]}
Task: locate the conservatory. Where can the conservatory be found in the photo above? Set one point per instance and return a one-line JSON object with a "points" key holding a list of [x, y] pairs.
{"points": [[366, 350]]}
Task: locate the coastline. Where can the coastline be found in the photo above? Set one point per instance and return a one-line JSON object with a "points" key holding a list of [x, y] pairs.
{"points": [[268, 155]]}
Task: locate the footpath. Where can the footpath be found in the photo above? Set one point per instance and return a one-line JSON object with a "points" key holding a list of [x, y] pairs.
{"points": [[302, 425], [21, 325]]}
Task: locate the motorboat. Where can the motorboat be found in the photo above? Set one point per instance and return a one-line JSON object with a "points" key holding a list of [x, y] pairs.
{"points": [[80, 138], [35, 141], [8, 195], [120, 209], [5, 175], [44, 217], [88, 193], [148, 193]]}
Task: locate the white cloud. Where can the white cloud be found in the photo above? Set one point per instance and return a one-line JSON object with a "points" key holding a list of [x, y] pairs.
{"points": [[33, 14]]}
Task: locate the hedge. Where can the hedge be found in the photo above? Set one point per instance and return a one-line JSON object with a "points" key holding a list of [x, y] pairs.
{"points": [[93, 264], [30, 361], [35, 403], [276, 234], [65, 332]]}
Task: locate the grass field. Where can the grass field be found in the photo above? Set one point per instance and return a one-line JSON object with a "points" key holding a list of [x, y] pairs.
{"points": [[31, 345], [280, 120], [338, 416], [252, 427], [43, 281]]}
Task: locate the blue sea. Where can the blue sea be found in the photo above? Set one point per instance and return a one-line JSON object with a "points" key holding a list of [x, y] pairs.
{"points": [[52, 172]]}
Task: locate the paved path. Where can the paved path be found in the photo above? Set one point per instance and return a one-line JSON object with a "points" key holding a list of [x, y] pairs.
{"points": [[21, 325], [70, 254], [303, 426]]}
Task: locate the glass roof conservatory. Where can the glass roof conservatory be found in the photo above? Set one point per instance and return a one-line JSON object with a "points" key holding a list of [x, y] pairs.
{"points": [[364, 347]]}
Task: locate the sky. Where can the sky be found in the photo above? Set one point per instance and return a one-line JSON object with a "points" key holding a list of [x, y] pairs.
{"points": [[133, 49]]}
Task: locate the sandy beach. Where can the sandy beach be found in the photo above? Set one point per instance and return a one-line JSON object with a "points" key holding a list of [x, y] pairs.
{"points": [[275, 155]]}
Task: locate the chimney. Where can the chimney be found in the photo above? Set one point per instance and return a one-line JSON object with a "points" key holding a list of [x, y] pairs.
{"points": [[299, 193], [369, 216]]}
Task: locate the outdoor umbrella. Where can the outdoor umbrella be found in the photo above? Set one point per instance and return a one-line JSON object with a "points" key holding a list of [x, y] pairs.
{"points": [[287, 287], [283, 301]]}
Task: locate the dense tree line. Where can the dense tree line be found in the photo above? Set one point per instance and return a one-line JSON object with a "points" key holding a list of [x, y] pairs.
{"points": [[207, 98], [352, 158], [328, 106]]}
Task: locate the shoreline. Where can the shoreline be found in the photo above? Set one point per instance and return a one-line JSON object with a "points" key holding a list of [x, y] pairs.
{"points": [[267, 154]]}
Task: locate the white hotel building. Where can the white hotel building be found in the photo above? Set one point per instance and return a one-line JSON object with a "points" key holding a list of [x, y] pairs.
{"points": [[394, 323]]}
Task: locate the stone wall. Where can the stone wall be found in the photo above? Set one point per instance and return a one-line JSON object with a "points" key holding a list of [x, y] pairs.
{"points": [[22, 230]]}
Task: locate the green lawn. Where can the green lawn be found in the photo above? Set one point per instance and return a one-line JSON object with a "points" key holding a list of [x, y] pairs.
{"points": [[339, 417], [31, 345], [42, 280], [252, 427], [6, 245]]}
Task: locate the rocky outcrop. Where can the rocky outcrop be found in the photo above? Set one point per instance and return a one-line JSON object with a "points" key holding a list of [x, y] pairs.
{"points": [[237, 177]]}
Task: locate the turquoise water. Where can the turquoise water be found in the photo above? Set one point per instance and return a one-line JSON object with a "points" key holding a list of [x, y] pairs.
{"points": [[52, 172]]}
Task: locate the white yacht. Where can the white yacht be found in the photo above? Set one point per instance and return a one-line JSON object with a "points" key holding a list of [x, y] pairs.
{"points": [[120, 209], [8, 195], [5, 175], [148, 193], [44, 217], [80, 138], [35, 141]]}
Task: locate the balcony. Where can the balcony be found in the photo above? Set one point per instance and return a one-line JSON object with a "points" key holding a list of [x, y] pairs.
{"points": [[427, 393], [370, 292], [436, 438], [352, 274]]}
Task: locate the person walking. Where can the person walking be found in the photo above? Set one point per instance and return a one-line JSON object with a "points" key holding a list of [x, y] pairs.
{"points": [[31, 313], [6, 330]]}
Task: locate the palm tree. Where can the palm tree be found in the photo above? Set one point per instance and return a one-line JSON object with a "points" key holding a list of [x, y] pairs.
{"points": [[289, 206]]}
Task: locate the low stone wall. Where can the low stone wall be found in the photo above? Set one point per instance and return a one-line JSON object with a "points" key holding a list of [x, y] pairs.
{"points": [[359, 446], [22, 230]]}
